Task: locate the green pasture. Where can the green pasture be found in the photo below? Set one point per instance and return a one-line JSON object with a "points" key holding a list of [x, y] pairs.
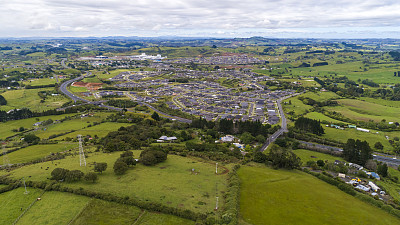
{"points": [[379, 101], [12, 202], [307, 155], [77, 89], [372, 137], [100, 130], [289, 197], [7, 127], [102, 212], [177, 185], [29, 98], [36, 152], [55, 208], [363, 110], [40, 81], [321, 117]]}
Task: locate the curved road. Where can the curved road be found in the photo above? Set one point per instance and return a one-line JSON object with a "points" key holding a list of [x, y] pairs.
{"points": [[63, 89]]}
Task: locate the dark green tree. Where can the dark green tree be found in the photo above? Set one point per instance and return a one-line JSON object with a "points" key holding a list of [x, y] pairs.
{"points": [[59, 174], [73, 175], [378, 145], [31, 139], [3, 101], [120, 167], [91, 177], [259, 157], [155, 116], [283, 158], [383, 170], [100, 167]]}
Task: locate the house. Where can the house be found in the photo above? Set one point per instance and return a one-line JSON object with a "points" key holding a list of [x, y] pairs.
{"points": [[374, 175], [358, 167], [373, 186], [227, 138], [165, 138]]}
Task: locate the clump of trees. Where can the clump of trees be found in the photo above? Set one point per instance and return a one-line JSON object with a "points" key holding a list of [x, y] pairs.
{"points": [[66, 175], [310, 125], [152, 156], [3, 101], [283, 158], [123, 163], [100, 167], [357, 151], [31, 139]]}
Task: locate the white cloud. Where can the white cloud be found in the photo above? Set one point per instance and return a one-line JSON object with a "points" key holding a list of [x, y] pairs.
{"points": [[160, 17]]}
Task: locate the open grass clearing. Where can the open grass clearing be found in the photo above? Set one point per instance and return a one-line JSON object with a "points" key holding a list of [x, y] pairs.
{"points": [[321, 117], [54, 208], [362, 110], [29, 98], [36, 152], [307, 155], [7, 127], [287, 197], [177, 185], [12, 202], [100, 130]]}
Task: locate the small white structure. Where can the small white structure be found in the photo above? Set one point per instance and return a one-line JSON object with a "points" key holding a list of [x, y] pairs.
{"points": [[362, 129], [373, 186], [165, 138], [227, 138], [342, 175], [362, 187]]}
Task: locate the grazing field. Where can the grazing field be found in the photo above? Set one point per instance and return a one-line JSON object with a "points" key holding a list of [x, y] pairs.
{"points": [[54, 208], [383, 102], [29, 98], [287, 197], [177, 185], [321, 117], [36, 152], [362, 110], [12, 202], [100, 130], [344, 135], [42, 81], [102, 212], [7, 127], [307, 155]]}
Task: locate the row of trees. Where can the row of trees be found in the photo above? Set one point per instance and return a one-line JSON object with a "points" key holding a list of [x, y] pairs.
{"points": [[61, 174], [309, 125], [357, 151], [279, 157]]}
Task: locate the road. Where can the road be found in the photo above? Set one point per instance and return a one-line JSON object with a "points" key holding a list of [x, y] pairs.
{"points": [[283, 128], [388, 159], [63, 89]]}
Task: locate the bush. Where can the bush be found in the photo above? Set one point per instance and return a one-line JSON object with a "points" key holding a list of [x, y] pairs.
{"points": [[120, 167], [150, 157], [91, 177]]}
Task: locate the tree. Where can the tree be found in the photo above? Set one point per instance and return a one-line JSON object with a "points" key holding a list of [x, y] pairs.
{"points": [[259, 157], [3, 101], [378, 145], [150, 157], [383, 170], [320, 163], [371, 165], [129, 160], [31, 139], [91, 177], [155, 116], [59, 174], [283, 158], [357, 151], [260, 138], [247, 138], [120, 167], [73, 175], [100, 167], [126, 154]]}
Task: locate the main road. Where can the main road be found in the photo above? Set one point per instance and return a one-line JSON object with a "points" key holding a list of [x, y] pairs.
{"points": [[283, 128], [64, 86]]}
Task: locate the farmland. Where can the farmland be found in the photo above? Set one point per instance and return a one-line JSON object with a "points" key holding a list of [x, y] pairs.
{"points": [[186, 189], [306, 155], [284, 197]]}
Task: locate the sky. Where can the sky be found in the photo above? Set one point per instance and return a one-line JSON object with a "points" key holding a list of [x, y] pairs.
{"points": [[201, 18]]}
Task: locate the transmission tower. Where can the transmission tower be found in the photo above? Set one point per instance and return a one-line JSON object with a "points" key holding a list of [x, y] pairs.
{"points": [[6, 161], [82, 160]]}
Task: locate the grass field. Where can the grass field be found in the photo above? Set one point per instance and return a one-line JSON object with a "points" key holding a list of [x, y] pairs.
{"points": [[288, 197], [102, 212], [305, 155], [7, 127], [42, 81], [381, 102], [321, 117], [176, 185], [54, 208], [35, 152], [29, 98], [100, 130], [11, 203], [363, 110], [371, 138]]}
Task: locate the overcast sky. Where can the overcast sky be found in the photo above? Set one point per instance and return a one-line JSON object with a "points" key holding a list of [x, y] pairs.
{"points": [[201, 18]]}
